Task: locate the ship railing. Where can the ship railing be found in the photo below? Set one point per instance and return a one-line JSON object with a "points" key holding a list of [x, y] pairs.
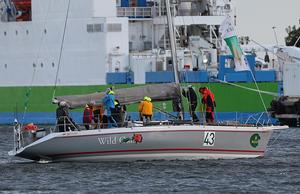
{"points": [[190, 12], [66, 123], [196, 12], [24, 137], [17, 136], [220, 11], [258, 119], [240, 119], [161, 11], [214, 11], [134, 12]]}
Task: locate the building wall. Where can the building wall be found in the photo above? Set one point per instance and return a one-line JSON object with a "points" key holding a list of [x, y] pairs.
{"points": [[117, 45]]}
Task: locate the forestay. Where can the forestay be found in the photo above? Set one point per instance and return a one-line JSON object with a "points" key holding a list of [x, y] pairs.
{"points": [[158, 92]]}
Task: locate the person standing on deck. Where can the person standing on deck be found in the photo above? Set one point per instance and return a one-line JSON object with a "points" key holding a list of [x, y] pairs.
{"points": [[109, 105], [208, 100], [98, 112], [119, 113], [191, 96], [146, 109], [87, 116], [64, 121]]}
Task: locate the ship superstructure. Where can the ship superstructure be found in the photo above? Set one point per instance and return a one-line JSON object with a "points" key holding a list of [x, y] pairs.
{"points": [[81, 41], [196, 30], [75, 36]]}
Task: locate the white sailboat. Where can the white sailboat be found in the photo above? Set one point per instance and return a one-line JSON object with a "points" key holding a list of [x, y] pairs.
{"points": [[164, 140]]}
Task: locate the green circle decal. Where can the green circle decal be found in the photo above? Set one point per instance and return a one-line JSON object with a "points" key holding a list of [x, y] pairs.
{"points": [[254, 140]]}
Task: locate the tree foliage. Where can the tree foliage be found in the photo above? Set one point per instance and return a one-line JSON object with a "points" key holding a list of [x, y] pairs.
{"points": [[293, 35]]}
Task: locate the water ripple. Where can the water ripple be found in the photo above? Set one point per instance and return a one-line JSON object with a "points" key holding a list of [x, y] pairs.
{"points": [[277, 172]]}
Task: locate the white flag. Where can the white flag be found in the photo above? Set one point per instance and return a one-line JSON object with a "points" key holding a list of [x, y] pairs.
{"points": [[227, 29], [227, 32]]}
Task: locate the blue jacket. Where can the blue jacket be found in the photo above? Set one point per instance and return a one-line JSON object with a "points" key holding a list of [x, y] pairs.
{"points": [[109, 103]]}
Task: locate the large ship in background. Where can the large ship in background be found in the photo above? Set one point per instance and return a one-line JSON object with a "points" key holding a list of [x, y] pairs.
{"points": [[80, 45], [116, 36]]}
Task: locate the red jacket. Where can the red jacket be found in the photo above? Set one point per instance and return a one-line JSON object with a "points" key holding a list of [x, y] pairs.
{"points": [[87, 115], [208, 98]]}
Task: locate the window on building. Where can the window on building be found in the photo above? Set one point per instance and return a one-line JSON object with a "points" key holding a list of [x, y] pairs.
{"points": [[114, 27], [94, 28]]}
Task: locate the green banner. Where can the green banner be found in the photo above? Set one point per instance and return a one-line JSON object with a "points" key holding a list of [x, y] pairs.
{"points": [[241, 63]]}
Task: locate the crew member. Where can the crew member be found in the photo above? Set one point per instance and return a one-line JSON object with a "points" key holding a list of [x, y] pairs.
{"points": [[98, 116], [118, 113], [208, 100], [109, 105], [145, 109], [64, 121], [88, 116], [191, 96]]}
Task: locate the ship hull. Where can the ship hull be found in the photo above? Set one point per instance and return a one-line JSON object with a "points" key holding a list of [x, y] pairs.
{"points": [[229, 100], [150, 143]]}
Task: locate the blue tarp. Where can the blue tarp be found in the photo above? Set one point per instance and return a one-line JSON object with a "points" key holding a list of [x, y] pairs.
{"points": [[120, 78]]}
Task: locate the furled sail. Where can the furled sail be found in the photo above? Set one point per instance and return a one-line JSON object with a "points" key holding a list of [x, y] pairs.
{"points": [[159, 92]]}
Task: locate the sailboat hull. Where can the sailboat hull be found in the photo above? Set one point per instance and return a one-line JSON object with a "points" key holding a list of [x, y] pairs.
{"points": [[150, 143]]}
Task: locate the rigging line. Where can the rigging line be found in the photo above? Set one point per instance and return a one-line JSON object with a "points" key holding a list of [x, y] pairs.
{"points": [[61, 48], [171, 30], [267, 49], [262, 46], [185, 77], [259, 93], [218, 40], [280, 132], [162, 111], [246, 88], [34, 71], [27, 97]]}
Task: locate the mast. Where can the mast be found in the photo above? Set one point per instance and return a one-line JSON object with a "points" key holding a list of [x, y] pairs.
{"points": [[174, 56], [172, 41]]}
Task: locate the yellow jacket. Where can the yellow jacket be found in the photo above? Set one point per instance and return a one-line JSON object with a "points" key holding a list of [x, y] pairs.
{"points": [[145, 108]]}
